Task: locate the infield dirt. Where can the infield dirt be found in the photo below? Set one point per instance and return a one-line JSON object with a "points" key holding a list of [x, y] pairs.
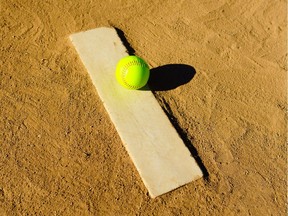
{"points": [[60, 153]]}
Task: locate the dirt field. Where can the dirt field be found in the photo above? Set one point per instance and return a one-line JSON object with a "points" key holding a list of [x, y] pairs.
{"points": [[60, 153]]}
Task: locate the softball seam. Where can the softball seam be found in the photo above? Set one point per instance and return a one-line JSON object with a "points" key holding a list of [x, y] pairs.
{"points": [[126, 67]]}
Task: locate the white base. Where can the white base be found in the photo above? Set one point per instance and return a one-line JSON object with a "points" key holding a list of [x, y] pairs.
{"points": [[160, 156]]}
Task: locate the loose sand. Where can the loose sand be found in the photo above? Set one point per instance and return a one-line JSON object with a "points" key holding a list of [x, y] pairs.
{"points": [[60, 153]]}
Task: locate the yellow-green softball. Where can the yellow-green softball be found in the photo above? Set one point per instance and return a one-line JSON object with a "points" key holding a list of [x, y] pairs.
{"points": [[132, 72]]}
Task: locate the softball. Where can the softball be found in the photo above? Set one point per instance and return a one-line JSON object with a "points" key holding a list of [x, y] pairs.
{"points": [[132, 72]]}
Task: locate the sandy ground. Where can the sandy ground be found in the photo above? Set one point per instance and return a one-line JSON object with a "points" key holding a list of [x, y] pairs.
{"points": [[60, 153]]}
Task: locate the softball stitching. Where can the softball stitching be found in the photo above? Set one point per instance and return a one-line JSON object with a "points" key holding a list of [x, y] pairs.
{"points": [[125, 69]]}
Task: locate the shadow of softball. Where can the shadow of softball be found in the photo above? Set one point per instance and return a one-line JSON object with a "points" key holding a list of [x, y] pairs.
{"points": [[170, 76]]}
